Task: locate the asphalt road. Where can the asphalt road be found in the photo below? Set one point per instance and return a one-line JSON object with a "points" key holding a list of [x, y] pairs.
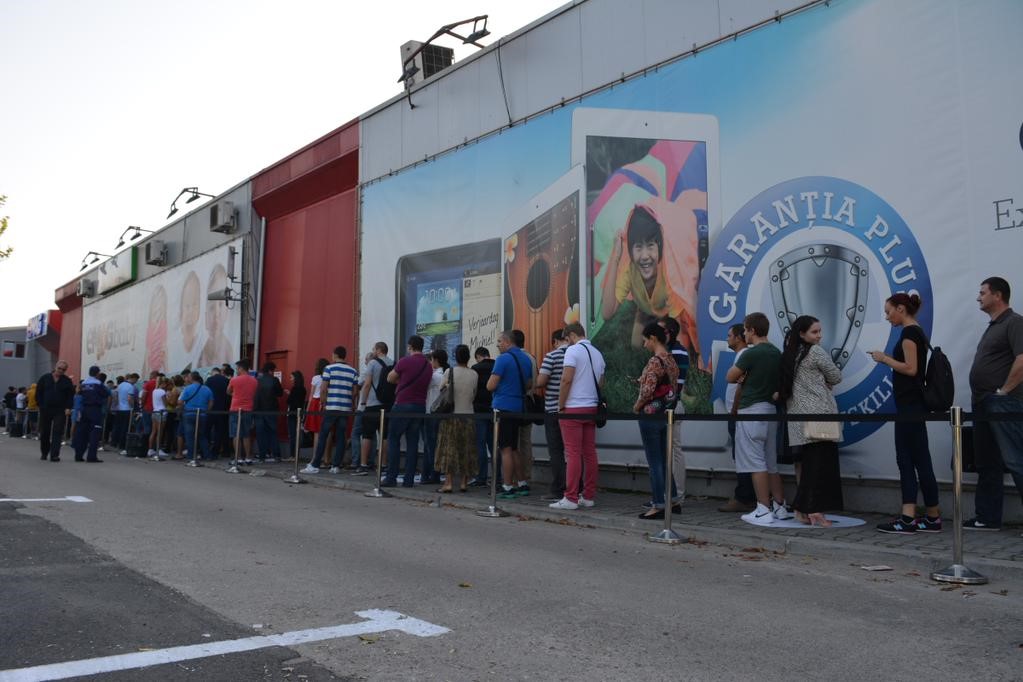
{"points": [[165, 554]]}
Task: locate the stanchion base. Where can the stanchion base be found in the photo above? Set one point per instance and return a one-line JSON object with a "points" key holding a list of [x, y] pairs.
{"points": [[293, 479], [492, 513], [959, 574], [667, 537], [376, 492], [232, 470], [195, 464]]}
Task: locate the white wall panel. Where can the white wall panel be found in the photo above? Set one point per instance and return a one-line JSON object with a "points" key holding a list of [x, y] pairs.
{"points": [[380, 148], [419, 125], [739, 14], [493, 113], [459, 98], [553, 62], [671, 27], [605, 54]]}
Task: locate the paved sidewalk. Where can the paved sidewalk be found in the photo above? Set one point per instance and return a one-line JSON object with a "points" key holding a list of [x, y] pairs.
{"points": [[992, 553]]}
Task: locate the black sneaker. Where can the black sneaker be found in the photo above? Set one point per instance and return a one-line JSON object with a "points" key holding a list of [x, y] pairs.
{"points": [[977, 524], [479, 483], [361, 471], [926, 525], [897, 527]]}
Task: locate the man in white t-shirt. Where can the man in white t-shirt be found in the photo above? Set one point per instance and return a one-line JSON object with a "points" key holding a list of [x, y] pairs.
{"points": [[581, 379], [744, 499], [373, 375]]}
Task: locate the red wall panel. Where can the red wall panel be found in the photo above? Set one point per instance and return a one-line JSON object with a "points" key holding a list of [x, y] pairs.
{"points": [[71, 341]]}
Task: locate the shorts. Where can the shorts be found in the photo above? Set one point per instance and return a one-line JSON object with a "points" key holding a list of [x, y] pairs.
{"points": [[756, 443], [157, 417], [371, 421], [508, 433], [246, 418]]}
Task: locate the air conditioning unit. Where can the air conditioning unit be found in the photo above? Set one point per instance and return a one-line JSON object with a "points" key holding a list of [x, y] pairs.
{"points": [[86, 288], [222, 217], [430, 60], [156, 252]]}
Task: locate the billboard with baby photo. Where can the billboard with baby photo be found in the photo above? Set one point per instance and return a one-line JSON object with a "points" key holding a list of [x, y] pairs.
{"points": [[797, 170]]}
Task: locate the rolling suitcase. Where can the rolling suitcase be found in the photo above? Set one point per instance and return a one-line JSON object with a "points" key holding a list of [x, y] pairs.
{"points": [[136, 444], [16, 430]]}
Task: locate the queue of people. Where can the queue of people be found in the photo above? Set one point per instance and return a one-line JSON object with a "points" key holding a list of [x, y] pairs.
{"points": [[229, 414]]}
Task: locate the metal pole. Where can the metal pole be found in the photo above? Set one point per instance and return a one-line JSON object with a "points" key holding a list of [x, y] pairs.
{"points": [[376, 491], [195, 442], [667, 535], [294, 478], [957, 572], [492, 511], [233, 468]]}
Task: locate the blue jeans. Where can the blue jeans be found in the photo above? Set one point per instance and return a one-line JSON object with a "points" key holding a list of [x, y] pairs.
{"points": [[655, 442], [190, 423], [403, 426], [266, 435], [996, 446], [331, 417], [913, 456], [484, 444]]}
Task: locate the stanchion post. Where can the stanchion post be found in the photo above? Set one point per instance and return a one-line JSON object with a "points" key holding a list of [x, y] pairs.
{"points": [[957, 572], [376, 491], [492, 511], [195, 442], [294, 478], [667, 536]]}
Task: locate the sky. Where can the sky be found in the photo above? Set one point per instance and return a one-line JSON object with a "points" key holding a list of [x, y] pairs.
{"points": [[108, 108]]}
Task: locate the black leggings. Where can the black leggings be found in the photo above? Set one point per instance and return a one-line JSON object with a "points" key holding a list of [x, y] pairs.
{"points": [[913, 456]]}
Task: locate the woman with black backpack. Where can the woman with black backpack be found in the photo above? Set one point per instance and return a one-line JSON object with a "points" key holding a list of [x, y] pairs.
{"points": [[912, 451]]}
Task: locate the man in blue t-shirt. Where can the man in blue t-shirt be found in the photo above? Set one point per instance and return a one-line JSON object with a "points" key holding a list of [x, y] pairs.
{"points": [[510, 379], [196, 400], [122, 416], [339, 385]]}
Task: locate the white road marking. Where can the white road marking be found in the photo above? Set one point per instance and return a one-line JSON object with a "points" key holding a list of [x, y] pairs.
{"points": [[69, 498], [378, 621]]}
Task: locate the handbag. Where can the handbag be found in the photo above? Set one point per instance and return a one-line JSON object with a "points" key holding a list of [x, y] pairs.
{"points": [[444, 403], [823, 431], [601, 419], [531, 403]]}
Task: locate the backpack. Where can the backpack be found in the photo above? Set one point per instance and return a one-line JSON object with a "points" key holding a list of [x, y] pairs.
{"points": [[939, 384], [384, 389]]}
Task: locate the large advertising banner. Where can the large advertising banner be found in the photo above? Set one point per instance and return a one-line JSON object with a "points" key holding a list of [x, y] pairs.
{"points": [[814, 166], [165, 322]]}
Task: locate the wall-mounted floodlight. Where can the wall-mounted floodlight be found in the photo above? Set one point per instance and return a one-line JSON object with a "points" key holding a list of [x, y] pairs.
{"points": [[193, 193], [95, 259], [138, 233]]}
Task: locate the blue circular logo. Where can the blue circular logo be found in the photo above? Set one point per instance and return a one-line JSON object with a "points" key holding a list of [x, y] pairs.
{"points": [[825, 247]]}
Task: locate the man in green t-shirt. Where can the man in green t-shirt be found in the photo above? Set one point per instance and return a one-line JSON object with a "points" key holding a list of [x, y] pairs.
{"points": [[756, 442]]}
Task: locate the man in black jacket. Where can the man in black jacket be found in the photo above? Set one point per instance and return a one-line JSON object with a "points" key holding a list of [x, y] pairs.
{"points": [[268, 393], [55, 395], [481, 405]]}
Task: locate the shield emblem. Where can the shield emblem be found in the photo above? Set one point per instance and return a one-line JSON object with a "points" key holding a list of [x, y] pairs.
{"points": [[826, 281]]}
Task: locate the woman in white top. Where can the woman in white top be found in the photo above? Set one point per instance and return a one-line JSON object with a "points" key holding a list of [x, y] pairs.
{"points": [[159, 410], [313, 418], [456, 440]]}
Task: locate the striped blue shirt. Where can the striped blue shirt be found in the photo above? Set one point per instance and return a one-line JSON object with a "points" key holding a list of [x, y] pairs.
{"points": [[342, 379]]}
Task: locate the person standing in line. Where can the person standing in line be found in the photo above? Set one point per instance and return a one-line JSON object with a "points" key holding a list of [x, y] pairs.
{"points": [[90, 424], [657, 385], [355, 442], [196, 401], [218, 421], [159, 419], [412, 376], [509, 381], [314, 417], [481, 404], [375, 375], [457, 435], [55, 394], [242, 389], [296, 402], [20, 408], [339, 382], [31, 412], [548, 380], [9, 408], [808, 377], [431, 427], [744, 499], [268, 395], [146, 400], [678, 456], [122, 417], [912, 450], [756, 442], [996, 387], [173, 442], [581, 380]]}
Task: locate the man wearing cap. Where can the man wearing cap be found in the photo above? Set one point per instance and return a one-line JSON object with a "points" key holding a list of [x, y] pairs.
{"points": [[90, 424]]}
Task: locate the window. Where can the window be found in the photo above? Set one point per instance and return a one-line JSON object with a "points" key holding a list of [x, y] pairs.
{"points": [[13, 350]]}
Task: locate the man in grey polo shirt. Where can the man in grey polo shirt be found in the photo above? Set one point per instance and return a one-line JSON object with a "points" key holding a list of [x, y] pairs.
{"points": [[996, 386]]}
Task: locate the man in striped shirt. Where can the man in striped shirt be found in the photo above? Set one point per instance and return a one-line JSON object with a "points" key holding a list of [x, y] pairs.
{"points": [[549, 380], [339, 385]]}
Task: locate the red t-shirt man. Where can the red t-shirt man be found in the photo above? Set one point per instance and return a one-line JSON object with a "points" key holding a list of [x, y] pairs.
{"points": [[243, 392]]}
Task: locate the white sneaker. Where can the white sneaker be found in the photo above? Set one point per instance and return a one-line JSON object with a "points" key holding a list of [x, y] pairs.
{"points": [[563, 503], [124, 452], [151, 453], [162, 455], [310, 469], [270, 460], [780, 511], [583, 502], [335, 470], [761, 516]]}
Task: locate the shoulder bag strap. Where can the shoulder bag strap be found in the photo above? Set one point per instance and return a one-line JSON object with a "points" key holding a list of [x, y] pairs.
{"points": [[596, 384]]}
